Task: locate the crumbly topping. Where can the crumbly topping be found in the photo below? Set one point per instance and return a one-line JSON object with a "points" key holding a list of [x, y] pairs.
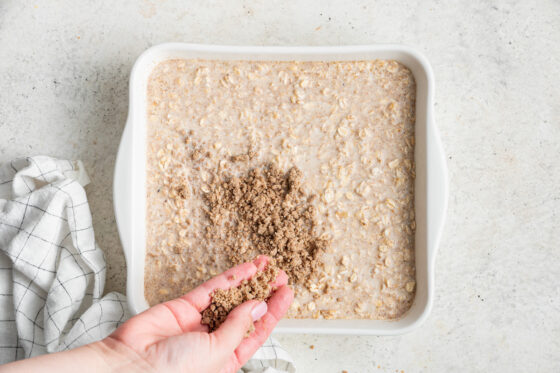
{"points": [[246, 157], [266, 212], [225, 300]]}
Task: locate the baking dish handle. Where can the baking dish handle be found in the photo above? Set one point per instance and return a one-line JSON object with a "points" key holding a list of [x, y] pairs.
{"points": [[438, 191], [122, 196]]}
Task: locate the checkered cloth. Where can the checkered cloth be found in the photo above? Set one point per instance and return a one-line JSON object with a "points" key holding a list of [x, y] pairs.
{"points": [[52, 273], [270, 358]]}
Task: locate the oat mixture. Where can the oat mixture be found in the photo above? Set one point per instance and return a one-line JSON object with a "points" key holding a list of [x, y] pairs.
{"points": [[345, 130], [224, 301]]}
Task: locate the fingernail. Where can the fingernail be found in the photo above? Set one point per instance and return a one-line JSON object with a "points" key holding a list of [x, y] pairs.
{"points": [[259, 311]]}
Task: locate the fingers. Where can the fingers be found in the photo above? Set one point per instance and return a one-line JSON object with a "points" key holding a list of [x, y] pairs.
{"points": [[281, 279], [187, 317], [261, 262], [183, 314], [230, 334], [278, 305], [200, 297]]}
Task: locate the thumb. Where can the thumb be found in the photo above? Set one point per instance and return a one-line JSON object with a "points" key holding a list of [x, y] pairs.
{"points": [[231, 333]]}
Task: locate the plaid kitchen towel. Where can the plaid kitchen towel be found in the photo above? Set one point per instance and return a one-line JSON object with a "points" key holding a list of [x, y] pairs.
{"points": [[52, 273]]}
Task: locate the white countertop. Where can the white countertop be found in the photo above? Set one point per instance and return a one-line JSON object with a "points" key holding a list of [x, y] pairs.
{"points": [[64, 69]]}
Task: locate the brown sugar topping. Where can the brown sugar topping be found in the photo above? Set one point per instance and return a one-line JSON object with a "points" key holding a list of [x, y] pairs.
{"points": [[224, 301], [266, 212], [249, 155]]}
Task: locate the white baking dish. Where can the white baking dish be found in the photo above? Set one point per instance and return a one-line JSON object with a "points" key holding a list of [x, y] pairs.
{"points": [[431, 185]]}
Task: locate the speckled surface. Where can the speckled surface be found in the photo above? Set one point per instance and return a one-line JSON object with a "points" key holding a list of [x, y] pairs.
{"points": [[63, 92]]}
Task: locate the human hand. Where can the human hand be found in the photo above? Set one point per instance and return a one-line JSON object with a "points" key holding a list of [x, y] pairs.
{"points": [[169, 337]]}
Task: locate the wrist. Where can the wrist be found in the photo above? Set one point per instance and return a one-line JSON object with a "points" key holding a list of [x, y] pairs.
{"points": [[114, 356]]}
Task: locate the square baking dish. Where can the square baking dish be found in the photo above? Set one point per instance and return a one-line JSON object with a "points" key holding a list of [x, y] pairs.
{"points": [[431, 184]]}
